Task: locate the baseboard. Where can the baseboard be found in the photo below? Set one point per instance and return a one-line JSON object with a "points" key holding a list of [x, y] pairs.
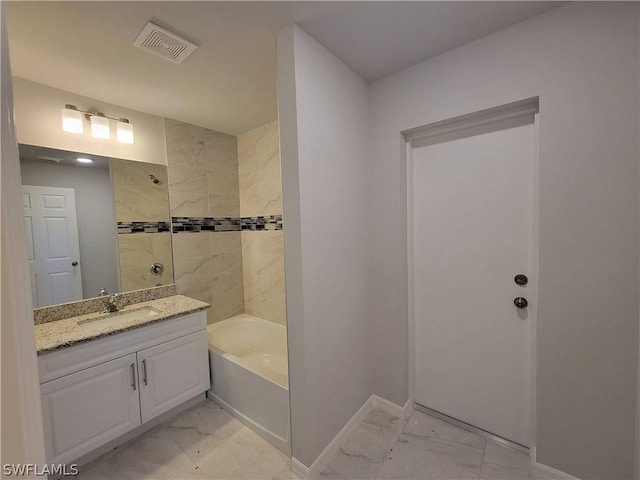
{"points": [[546, 469], [374, 401], [392, 408]]}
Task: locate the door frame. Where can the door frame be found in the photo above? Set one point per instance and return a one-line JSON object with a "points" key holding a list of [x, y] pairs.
{"points": [[450, 129]]}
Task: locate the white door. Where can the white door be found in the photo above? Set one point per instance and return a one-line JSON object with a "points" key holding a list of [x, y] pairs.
{"points": [[86, 409], [54, 252], [472, 234], [171, 373]]}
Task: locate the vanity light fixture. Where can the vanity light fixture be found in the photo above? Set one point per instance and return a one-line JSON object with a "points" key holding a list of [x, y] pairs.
{"points": [[124, 131], [72, 119], [72, 122], [84, 160], [99, 126]]}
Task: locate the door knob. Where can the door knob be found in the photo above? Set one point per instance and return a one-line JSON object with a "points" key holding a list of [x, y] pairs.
{"points": [[74, 264], [520, 302], [521, 279]]}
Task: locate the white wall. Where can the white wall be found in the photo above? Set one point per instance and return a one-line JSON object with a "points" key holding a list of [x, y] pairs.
{"points": [[38, 122], [323, 110], [22, 435], [582, 61], [95, 215]]}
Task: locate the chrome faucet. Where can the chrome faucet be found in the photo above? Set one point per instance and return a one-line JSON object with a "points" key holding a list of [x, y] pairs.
{"points": [[112, 303]]}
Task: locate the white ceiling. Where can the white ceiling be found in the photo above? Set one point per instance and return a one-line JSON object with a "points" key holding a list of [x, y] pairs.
{"points": [[229, 83]]}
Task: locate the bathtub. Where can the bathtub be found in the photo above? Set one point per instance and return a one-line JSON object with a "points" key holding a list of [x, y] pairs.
{"points": [[249, 375]]}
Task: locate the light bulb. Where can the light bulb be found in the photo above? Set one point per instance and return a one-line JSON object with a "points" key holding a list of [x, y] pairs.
{"points": [[124, 131], [100, 126], [72, 119]]}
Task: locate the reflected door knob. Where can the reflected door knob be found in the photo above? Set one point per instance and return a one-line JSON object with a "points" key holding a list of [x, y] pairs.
{"points": [[520, 302], [74, 264]]}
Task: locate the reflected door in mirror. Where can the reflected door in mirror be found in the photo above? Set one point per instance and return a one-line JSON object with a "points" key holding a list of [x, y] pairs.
{"points": [[52, 236]]}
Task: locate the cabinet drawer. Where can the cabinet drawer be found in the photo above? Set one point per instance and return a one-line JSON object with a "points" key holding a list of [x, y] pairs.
{"points": [[86, 409]]}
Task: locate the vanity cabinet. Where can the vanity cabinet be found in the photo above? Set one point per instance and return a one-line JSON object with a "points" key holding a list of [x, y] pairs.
{"points": [[119, 382]]}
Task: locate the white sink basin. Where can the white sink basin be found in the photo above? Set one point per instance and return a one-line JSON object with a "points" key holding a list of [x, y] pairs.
{"points": [[121, 317]]}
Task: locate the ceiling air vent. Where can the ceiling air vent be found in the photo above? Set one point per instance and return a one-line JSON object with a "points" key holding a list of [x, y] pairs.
{"points": [[159, 41]]}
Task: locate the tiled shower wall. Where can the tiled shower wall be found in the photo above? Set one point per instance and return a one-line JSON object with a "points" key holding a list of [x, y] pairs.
{"points": [[261, 195], [203, 182], [139, 200]]}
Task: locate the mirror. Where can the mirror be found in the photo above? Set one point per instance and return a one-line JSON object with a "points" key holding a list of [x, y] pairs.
{"points": [[94, 223]]}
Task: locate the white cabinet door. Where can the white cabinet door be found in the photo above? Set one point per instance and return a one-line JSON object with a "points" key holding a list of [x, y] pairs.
{"points": [[171, 373], [86, 409]]}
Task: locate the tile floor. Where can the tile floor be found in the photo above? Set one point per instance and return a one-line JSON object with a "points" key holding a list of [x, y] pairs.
{"points": [[207, 443]]}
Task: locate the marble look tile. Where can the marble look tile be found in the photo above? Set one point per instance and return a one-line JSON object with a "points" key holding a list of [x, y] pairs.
{"points": [[186, 204], [422, 425], [259, 171], [263, 272], [228, 293], [243, 456], [186, 157], [202, 429], [431, 449], [137, 252], [366, 450], [285, 474], [194, 277], [222, 174], [191, 244], [137, 198], [153, 455], [329, 474], [503, 463]]}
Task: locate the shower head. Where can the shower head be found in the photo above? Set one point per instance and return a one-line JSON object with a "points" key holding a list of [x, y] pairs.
{"points": [[153, 178]]}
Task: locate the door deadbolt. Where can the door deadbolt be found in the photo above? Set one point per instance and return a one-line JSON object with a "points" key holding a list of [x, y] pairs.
{"points": [[521, 279], [520, 302]]}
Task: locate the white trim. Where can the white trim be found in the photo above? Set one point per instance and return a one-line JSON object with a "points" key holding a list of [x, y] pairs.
{"points": [[17, 313], [403, 412], [552, 471], [501, 113], [411, 330], [374, 401]]}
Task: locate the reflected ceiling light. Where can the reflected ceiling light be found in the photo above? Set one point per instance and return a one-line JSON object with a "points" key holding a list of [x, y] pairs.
{"points": [[84, 160], [72, 119], [72, 122], [124, 131]]}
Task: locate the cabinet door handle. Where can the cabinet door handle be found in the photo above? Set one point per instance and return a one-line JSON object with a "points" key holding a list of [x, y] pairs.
{"points": [[133, 376], [144, 368]]}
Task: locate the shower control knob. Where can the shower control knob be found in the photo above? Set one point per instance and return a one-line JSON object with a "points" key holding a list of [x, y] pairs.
{"points": [[521, 279], [520, 302], [157, 269]]}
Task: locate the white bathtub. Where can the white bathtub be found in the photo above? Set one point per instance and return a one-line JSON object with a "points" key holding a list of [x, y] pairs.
{"points": [[249, 375]]}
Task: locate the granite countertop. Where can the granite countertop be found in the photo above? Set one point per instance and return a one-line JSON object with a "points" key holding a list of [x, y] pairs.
{"points": [[64, 333]]}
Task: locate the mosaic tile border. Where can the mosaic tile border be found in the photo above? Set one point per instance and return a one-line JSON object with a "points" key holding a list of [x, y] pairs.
{"points": [[205, 224], [226, 224], [143, 227], [271, 222]]}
